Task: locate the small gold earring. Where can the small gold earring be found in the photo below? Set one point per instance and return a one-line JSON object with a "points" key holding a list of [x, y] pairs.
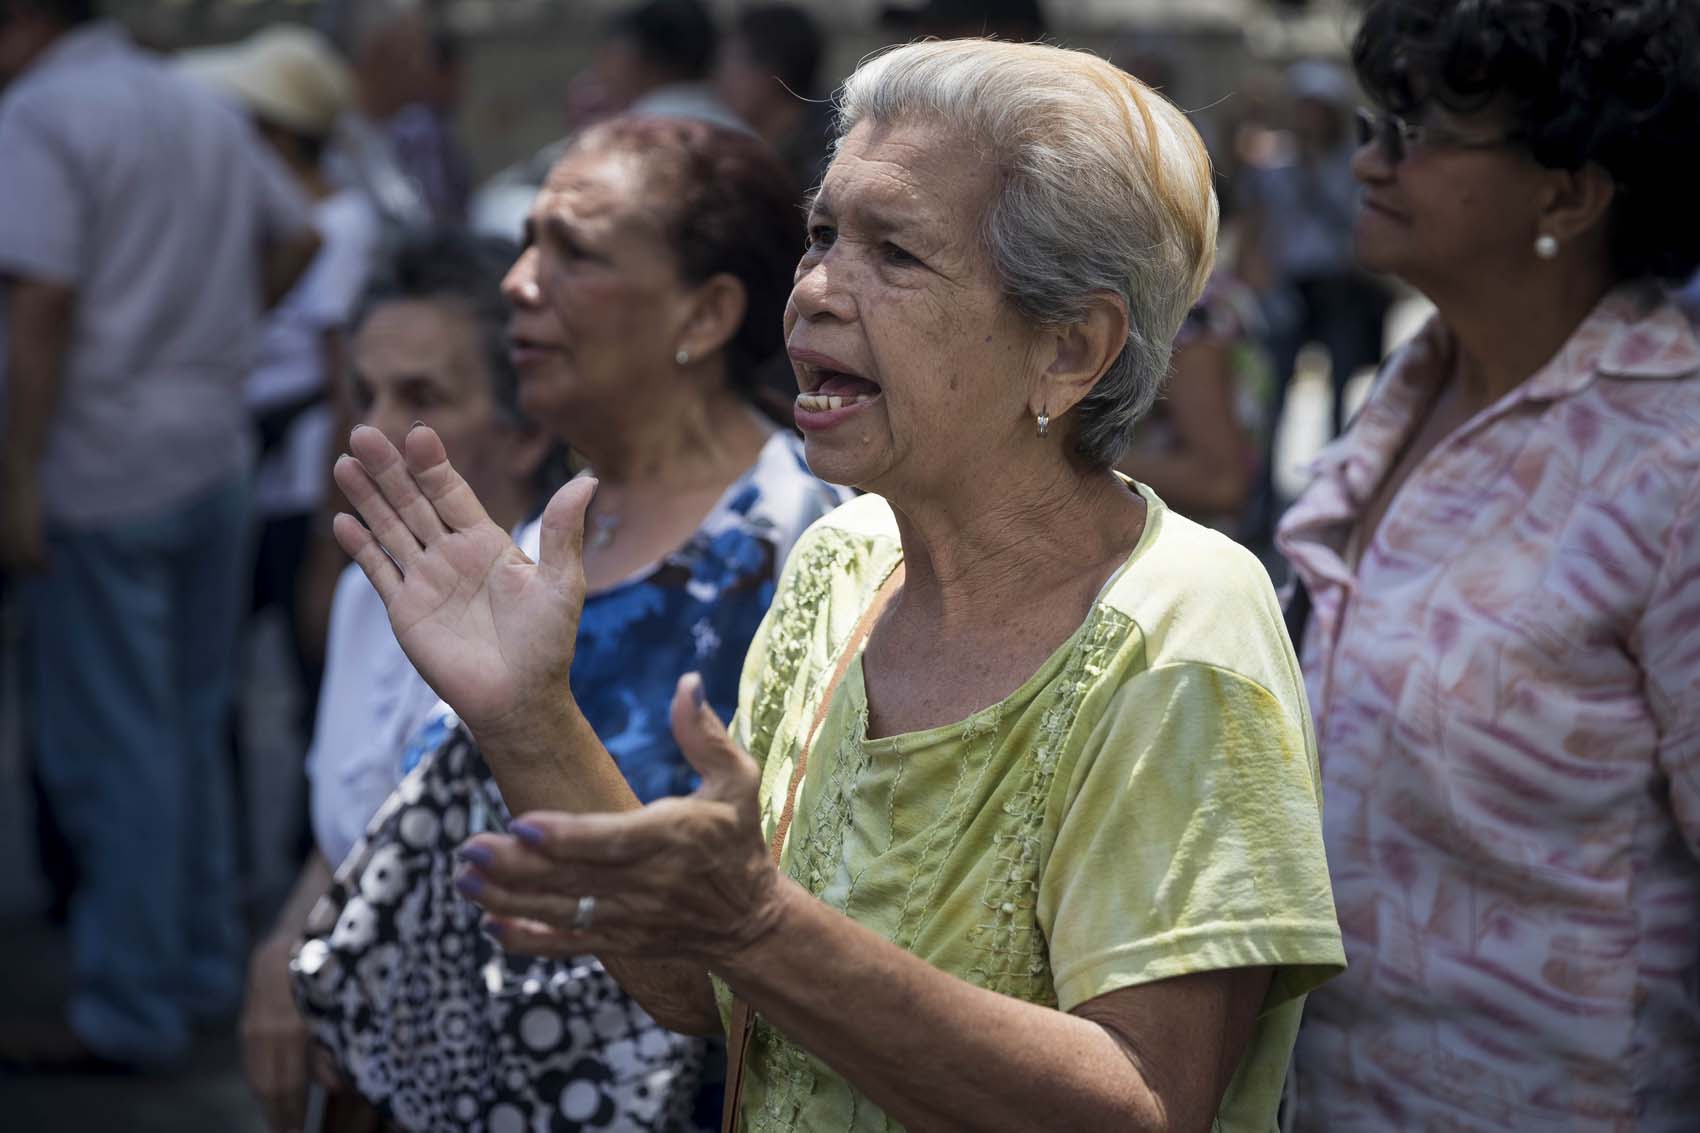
{"points": [[1044, 420]]}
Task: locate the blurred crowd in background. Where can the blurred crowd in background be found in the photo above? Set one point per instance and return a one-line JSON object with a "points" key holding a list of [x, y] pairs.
{"points": [[336, 167]]}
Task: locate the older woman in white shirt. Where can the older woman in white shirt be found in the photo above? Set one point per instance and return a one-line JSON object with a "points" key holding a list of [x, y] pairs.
{"points": [[428, 347]]}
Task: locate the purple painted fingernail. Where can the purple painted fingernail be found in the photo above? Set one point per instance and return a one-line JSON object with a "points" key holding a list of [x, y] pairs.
{"points": [[526, 833], [697, 695], [469, 884], [477, 855]]}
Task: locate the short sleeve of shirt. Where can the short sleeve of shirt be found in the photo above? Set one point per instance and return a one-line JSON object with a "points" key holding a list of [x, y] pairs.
{"points": [[42, 203], [1190, 840]]}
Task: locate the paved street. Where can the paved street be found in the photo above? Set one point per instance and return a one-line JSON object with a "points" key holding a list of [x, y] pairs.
{"points": [[208, 1096]]}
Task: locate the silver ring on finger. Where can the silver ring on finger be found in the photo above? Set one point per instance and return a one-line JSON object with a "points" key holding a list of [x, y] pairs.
{"points": [[584, 914]]}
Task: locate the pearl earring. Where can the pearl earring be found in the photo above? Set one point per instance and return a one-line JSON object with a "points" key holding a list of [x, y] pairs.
{"points": [[1546, 246], [683, 357], [1044, 420]]}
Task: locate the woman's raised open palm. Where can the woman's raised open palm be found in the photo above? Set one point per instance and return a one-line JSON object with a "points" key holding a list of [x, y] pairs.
{"points": [[491, 631]]}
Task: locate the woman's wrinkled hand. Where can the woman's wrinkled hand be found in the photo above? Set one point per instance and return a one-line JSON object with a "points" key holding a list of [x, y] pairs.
{"points": [[683, 878], [489, 630]]}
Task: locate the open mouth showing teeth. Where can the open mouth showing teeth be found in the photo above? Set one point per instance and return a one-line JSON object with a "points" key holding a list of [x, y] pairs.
{"points": [[838, 391]]}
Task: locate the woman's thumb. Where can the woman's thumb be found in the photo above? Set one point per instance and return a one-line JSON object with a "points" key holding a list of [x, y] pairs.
{"points": [[703, 739], [561, 542]]}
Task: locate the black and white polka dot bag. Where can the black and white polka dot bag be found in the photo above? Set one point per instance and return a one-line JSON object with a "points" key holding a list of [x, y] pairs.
{"points": [[439, 1029]]}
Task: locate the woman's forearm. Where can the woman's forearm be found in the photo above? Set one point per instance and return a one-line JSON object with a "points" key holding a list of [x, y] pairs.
{"points": [[553, 760], [310, 885], [932, 1050], [557, 763]]}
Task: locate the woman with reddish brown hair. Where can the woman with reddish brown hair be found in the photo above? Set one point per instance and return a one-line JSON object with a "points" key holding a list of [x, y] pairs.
{"points": [[645, 313]]}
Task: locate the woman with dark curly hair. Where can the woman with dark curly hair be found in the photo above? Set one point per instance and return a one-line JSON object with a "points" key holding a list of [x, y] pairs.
{"points": [[1501, 563]]}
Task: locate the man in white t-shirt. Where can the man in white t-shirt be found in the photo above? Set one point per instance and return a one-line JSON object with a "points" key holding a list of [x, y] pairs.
{"points": [[429, 346]]}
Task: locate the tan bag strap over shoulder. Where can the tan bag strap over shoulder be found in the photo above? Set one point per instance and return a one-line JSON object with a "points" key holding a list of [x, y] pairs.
{"points": [[743, 1016]]}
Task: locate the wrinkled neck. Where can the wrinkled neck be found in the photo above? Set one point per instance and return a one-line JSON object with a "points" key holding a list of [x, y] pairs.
{"points": [[674, 441], [972, 558]]}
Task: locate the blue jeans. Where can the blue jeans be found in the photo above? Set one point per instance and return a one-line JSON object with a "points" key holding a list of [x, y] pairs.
{"points": [[132, 634]]}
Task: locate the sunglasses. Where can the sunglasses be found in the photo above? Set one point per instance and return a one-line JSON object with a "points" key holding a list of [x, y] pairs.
{"points": [[1398, 136]]}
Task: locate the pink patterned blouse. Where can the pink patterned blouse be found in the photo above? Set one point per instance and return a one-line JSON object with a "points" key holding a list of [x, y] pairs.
{"points": [[1507, 704]]}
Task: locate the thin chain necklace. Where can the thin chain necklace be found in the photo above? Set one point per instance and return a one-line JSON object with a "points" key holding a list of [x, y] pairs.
{"points": [[603, 530], [604, 526]]}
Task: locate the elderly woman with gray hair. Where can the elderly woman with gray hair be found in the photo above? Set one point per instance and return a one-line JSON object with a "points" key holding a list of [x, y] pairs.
{"points": [[1017, 823]]}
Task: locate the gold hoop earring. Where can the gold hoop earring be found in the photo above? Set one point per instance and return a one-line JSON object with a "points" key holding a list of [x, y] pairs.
{"points": [[1044, 420]]}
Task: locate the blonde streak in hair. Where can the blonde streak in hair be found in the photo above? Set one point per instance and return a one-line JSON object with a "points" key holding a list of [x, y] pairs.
{"points": [[1187, 194], [1202, 212], [1120, 91], [1135, 92], [1130, 94]]}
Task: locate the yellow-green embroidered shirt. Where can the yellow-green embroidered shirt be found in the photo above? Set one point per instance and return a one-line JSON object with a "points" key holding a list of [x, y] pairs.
{"points": [[1145, 806]]}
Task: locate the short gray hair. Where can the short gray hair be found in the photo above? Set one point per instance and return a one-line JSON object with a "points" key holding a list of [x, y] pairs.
{"points": [[1103, 186]]}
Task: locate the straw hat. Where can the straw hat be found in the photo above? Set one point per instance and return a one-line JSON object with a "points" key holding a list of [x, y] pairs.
{"points": [[285, 74]]}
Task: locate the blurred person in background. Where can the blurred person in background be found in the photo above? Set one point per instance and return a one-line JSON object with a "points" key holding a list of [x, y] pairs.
{"points": [[768, 74], [1296, 219], [1013, 21], [389, 148], [295, 87], [144, 229], [1198, 448], [1251, 136], [387, 43], [1501, 563], [430, 346], [427, 146], [645, 313], [655, 57]]}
